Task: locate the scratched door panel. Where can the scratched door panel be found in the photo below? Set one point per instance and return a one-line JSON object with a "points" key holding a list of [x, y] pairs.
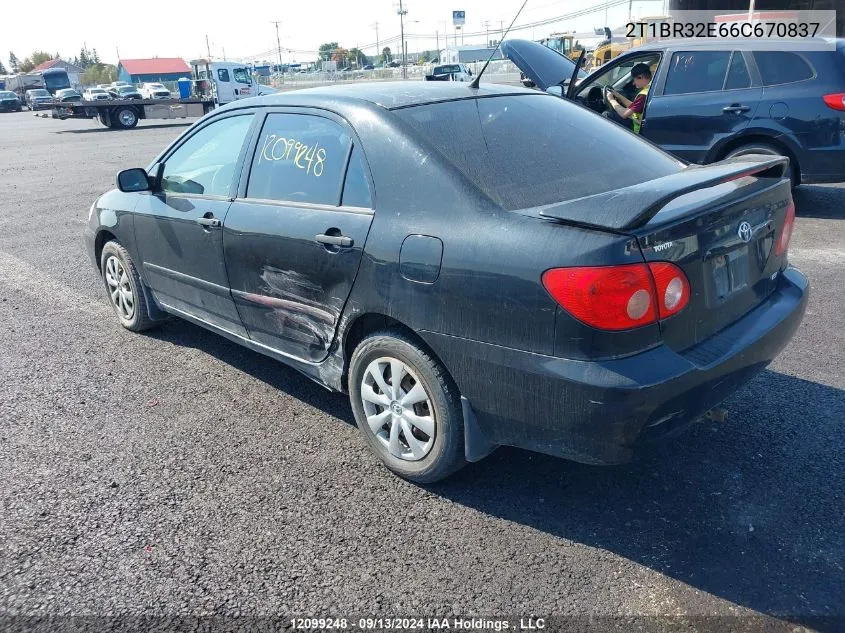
{"points": [[292, 250]]}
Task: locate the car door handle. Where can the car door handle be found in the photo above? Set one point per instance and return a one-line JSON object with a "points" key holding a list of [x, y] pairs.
{"points": [[210, 222], [735, 109], [335, 240]]}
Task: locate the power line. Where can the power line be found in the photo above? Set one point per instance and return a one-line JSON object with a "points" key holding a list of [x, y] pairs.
{"points": [[522, 27]]}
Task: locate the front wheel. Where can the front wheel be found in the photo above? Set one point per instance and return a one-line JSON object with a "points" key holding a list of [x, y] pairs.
{"points": [[124, 287], [407, 407]]}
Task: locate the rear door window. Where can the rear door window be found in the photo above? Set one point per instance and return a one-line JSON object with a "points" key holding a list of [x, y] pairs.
{"points": [[697, 71], [299, 158], [356, 189], [781, 67], [535, 149]]}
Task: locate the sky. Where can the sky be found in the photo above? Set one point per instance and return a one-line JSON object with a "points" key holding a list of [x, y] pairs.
{"points": [[245, 31]]}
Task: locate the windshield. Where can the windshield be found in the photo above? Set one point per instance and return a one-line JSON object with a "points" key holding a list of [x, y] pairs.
{"points": [[533, 150], [5, 94], [619, 76], [125, 89], [56, 81], [97, 91], [157, 87], [39, 93]]}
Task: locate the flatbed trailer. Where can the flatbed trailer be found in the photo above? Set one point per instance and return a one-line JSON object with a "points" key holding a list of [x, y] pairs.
{"points": [[125, 114]]}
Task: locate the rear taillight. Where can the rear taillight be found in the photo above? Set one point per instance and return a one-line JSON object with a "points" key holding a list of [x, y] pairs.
{"points": [[619, 297], [835, 101], [786, 230], [672, 288]]}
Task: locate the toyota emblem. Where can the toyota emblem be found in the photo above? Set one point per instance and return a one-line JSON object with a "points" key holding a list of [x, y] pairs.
{"points": [[744, 231]]}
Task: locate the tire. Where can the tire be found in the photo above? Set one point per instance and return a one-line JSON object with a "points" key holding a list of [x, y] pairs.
{"points": [[765, 148], [118, 272], [124, 117], [432, 454]]}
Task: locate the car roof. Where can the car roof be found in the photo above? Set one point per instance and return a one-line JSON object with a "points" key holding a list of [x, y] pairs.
{"points": [[389, 95], [736, 44]]}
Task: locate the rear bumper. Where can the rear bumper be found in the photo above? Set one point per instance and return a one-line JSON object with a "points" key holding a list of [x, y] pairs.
{"points": [[603, 412]]}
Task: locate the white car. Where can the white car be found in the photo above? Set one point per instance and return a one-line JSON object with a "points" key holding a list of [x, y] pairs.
{"points": [[96, 94], [155, 91]]}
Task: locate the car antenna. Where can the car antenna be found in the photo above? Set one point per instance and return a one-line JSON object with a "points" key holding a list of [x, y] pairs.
{"points": [[475, 81]]}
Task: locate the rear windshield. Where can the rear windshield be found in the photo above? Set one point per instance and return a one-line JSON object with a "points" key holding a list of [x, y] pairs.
{"points": [[533, 150], [440, 70]]}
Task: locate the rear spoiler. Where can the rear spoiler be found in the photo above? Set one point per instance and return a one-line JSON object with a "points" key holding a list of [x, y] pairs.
{"points": [[631, 207]]}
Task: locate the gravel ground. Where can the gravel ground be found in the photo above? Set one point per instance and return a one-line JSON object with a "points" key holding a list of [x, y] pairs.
{"points": [[177, 474]]}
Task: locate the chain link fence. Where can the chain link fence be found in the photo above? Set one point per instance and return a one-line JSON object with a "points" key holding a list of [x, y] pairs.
{"points": [[499, 71]]}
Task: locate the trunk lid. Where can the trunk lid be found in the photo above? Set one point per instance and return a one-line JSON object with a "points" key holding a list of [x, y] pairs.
{"points": [[725, 242], [720, 224]]}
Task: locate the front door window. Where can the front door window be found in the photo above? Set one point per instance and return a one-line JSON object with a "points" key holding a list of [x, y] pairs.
{"points": [[205, 163]]}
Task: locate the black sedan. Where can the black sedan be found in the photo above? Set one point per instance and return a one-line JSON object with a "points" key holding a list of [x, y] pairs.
{"points": [[124, 92], [68, 95], [9, 101], [470, 277]]}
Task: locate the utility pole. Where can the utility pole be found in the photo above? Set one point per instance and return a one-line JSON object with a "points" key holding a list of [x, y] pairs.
{"points": [[279, 42], [378, 50], [402, 13], [486, 25], [224, 53], [207, 47]]}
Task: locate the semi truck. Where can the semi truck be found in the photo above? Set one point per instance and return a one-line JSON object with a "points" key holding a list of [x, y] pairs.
{"points": [[51, 79]]}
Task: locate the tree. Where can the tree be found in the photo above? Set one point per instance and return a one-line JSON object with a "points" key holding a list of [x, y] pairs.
{"points": [[386, 55], [358, 56], [327, 50], [26, 65], [99, 74], [95, 59], [84, 60], [3, 69], [340, 56], [13, 62]]}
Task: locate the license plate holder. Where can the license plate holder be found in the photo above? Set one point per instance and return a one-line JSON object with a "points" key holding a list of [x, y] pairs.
{"points": [[729, 273]]}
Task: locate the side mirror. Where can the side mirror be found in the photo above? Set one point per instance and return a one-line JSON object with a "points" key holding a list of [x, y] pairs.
{"points": [[132, 180], [555, 90]]}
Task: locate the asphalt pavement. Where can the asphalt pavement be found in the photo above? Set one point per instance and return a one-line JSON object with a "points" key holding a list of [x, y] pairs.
{"points": [[177, 474]]}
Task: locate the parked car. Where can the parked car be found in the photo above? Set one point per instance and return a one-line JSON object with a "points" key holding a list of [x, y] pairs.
{"points": [[450, 72], [470, 277], [68, 94], [155, 91], [124, 92], [716, 99], [9, 101], [96, 94], [38, 98]]}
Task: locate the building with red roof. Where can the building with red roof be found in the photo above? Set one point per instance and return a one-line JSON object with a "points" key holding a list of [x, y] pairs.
{"points": [[157, 69]]}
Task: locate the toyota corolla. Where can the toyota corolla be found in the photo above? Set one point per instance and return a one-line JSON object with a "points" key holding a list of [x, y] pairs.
{"points": [[475, 267]]}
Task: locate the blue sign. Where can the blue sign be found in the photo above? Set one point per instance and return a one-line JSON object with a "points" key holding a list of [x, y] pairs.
{"points": [[458, 18]]}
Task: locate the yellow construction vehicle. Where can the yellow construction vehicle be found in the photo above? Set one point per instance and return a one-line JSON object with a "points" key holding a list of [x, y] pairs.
{"points": [[563, 44], [645, 30]]}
